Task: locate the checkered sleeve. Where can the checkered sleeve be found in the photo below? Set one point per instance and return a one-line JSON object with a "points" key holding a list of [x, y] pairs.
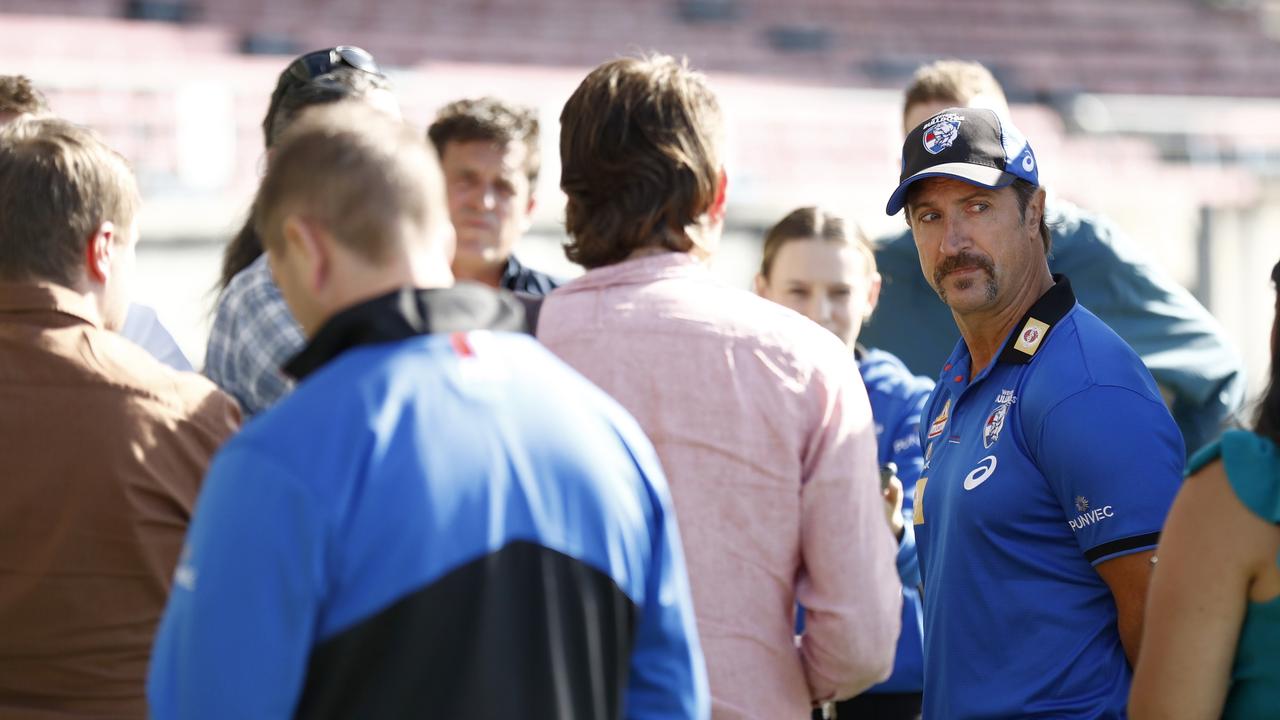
{"points": [[253, 335]]}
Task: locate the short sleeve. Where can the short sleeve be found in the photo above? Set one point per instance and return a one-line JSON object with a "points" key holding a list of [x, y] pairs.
{"points": [[1113, 458]]}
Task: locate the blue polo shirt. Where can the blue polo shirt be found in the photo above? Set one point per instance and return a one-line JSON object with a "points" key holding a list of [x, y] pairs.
{"points": [[1057, 457]]}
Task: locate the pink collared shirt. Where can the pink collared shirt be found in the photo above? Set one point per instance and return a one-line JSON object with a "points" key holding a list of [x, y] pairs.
{"points": [[763, 427]]}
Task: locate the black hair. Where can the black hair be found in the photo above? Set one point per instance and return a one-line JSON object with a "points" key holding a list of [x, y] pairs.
{"points": [[1268, 419]]}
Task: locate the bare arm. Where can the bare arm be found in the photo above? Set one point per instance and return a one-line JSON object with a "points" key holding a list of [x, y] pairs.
{"points": [[1128, 577], [1197, 603]]}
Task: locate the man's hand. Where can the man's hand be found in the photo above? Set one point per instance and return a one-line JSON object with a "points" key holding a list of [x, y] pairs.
{"points": [[892, 491]]}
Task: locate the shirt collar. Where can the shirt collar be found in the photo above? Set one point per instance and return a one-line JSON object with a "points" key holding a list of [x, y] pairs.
{"points": [[406, 313], [43, 296], [642, 270], [1029, 333]]}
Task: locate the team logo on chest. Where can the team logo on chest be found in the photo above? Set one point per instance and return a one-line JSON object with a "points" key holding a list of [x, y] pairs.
{"points": [[995, 421]]}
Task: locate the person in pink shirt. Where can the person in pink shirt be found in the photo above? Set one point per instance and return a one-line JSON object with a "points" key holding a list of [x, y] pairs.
{"points": [[758, 415]]}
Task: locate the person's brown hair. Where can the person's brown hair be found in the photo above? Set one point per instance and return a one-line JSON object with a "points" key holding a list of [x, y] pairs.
{"points": [[814, 223], [953, 82], [489, 119], [18, 96], [640, 158], [58, 183], [355, 171]]}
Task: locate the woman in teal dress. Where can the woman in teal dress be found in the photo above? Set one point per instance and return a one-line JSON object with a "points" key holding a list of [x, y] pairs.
{"points": [[1211, 643]]}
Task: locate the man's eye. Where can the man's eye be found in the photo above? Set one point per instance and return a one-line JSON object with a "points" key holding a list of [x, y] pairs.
{"points": [[927, 217], [979, 207]]}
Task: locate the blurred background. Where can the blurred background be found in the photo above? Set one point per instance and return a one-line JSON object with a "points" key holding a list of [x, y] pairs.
{"points": [[1162, 114]]}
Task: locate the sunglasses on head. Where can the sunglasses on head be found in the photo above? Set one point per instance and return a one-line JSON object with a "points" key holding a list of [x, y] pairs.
{"points": [[319, 62]]}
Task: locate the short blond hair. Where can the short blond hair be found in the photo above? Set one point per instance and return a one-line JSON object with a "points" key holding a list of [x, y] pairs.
{"points": [[20, 97], [58, 183], [640, 158], [358, 172], [952, 82]]}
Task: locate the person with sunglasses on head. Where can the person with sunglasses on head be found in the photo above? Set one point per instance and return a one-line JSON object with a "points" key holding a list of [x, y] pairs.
{"points": [[253, 332], [820, 265]]}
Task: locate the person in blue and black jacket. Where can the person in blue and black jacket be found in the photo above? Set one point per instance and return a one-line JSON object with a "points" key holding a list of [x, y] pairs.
{"points": [[443, 520], [818, 265]]}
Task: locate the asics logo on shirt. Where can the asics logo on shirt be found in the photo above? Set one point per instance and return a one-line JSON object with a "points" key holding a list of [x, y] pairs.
{"points": [[979, 475]]}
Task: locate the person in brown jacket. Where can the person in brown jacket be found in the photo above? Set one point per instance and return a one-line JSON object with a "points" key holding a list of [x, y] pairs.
{"points": [[101, 447]]}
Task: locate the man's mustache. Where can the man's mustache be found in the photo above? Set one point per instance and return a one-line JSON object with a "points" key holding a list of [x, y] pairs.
{"points": [[963, 261]]}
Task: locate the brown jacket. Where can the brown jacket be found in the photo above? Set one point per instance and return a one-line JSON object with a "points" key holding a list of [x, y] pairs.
{"points": [[102, 450]]}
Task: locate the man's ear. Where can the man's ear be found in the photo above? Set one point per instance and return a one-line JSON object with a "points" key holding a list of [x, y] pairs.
{"points": [[716, 212], [873, 292], [528, 211], [99, 250], [1035, 211], [307, 244]]}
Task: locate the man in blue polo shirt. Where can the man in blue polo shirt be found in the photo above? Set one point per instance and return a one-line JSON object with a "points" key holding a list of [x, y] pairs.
{"points": [[1050, 458]]}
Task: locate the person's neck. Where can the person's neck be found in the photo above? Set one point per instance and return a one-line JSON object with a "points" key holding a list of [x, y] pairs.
{"points": [[985, 331], [488, 274]]}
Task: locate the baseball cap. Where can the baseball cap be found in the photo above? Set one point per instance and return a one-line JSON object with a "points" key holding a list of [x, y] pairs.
{"points": [[969, 144]]}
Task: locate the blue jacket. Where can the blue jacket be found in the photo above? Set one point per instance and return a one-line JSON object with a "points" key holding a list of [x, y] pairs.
{"points": [[437, 523], [897, 399], [1182, 345]]}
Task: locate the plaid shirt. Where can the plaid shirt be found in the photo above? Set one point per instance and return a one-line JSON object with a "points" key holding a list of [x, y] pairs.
{"points": [[253, 335]]}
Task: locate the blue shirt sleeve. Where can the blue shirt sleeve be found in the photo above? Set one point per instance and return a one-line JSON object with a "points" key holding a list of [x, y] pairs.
{"points": [[237, 633], [1114, 459], [668, 674], [908, 455]]}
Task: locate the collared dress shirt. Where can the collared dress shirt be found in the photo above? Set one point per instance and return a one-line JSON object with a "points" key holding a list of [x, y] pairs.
{"points": [[763, 427], [253, 335], [102, 450]]}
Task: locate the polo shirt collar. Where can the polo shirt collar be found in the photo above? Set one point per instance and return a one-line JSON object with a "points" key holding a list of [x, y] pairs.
{"points": [[1029, 333], [44, 296], [406, 313]]}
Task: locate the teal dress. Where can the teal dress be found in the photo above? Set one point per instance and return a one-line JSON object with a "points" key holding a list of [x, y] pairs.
{"points": [[1253, 468]]}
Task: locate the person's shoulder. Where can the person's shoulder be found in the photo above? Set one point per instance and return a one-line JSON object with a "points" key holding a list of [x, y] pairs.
{"points": [[161, 392], [1081, 353], [883, 371], [250, 289]]}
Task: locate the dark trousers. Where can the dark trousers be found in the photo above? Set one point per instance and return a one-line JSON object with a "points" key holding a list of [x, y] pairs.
{"points": [[877, 706]]}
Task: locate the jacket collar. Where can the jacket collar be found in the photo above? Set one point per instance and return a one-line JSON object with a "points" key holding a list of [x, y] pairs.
{"points": [[406, 313], [1030, 332], [44, 296]]}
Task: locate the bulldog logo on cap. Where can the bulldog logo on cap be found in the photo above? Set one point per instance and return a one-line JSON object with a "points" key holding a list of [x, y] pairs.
{"points": [[941, 133]]}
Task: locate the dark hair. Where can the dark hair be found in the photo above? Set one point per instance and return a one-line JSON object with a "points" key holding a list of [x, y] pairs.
{"points": [[639, 155], [492, 120], [340, 84], [813, 223], [1268, 420], [20, 97]]}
